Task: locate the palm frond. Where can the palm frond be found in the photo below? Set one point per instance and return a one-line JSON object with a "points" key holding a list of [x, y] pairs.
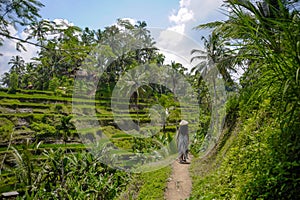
{"points": [[199, 67], [17, 155], [208, 25], [198, 58], [198, 51]]}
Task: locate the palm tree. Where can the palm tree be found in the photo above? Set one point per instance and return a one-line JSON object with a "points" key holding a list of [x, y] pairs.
{"points": [[217, 54], [30, 75], [141, 33], [134, 83], [17, 64], [88, 36], [5, 79], [40, 30], [98, 36], [175, 73]]}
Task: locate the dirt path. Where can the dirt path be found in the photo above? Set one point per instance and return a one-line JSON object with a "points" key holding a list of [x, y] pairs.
{"points": [[180, 183]]}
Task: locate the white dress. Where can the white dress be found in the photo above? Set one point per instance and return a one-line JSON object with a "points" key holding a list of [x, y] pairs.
{"points": [[183, 141]]}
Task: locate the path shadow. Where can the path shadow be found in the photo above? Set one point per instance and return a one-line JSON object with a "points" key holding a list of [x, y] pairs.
{"points": [[185, 163]]}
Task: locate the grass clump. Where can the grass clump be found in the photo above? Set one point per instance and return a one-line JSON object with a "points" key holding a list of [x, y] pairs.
{"points": [[149, 185]]}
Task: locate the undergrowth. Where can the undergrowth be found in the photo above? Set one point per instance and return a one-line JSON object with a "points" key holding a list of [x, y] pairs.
{"points": [[252, 163], [149, 185]]}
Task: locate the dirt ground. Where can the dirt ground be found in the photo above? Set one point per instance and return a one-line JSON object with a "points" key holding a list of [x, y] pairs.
{"points": [[180, 183]]}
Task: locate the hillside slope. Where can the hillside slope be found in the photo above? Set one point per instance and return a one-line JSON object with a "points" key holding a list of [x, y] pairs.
{"points": [[254, 159]]}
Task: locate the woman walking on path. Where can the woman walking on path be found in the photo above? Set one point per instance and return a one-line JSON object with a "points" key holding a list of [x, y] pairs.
{"points": [[183, 141]]}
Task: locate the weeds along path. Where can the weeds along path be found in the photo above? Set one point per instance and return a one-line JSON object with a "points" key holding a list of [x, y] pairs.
{"points": [[180, 183]]}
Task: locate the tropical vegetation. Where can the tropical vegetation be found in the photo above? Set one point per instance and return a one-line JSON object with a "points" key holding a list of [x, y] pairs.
{"points": [[256, 155]]}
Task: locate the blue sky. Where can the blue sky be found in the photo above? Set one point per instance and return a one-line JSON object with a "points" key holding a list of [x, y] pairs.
{"points": [[98, 14], [180, 16]]}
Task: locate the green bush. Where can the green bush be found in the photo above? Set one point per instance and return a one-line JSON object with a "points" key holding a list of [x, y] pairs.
{"points": [[53, 84], [13, 83], [44, 130], [109, 131], [6, 128], [123, 143], [80, 175], [58, 107]]}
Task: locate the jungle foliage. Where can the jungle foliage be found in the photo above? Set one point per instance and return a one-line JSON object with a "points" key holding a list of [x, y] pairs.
{"points": [[256, 156]]}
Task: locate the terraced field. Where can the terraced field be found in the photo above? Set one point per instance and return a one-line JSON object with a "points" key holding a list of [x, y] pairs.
{"points": [[30, 117]]}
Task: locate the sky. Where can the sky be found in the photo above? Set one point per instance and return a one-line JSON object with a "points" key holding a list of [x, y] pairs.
{"points": [[171, 21]]}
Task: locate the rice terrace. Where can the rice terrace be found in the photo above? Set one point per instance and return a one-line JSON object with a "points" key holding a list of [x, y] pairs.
{"points": [[96, 103]]}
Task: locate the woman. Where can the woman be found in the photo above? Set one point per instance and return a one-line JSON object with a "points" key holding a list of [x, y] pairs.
{"points": [[183, 141]]}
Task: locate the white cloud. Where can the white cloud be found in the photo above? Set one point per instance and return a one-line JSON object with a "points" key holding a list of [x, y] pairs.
{"points": [[8, 49], [178, 28], [184, 3], [63, 23], [168, 39], [171, 56], [206, 10], [191, 13], [183, 15], [174, 45], [175, 42]]}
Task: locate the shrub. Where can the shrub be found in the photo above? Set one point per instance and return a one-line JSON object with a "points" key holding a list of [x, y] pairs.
{"points": [[80, 175], [6, 128], [13, 83], [53, 84]]}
